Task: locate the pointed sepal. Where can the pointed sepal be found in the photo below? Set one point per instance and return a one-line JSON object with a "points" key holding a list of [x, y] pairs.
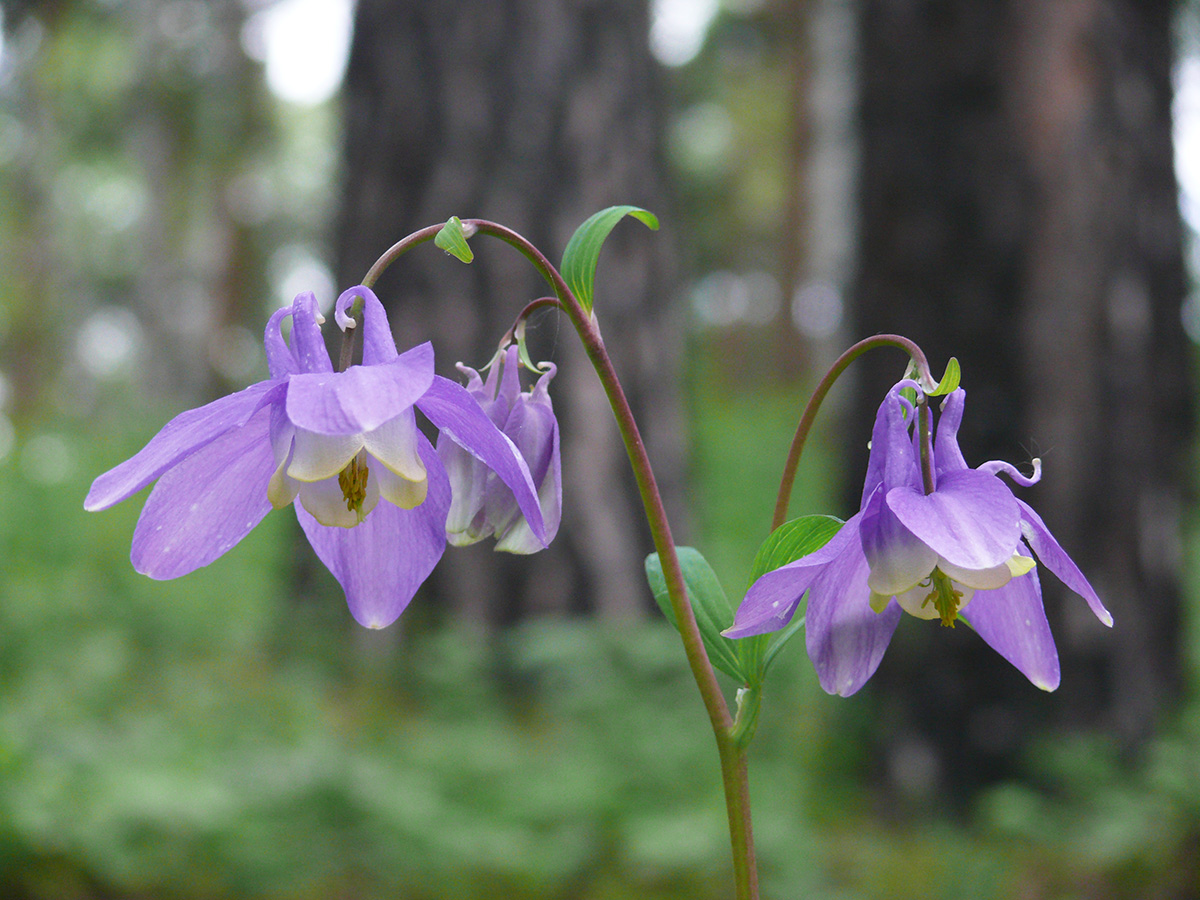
{"points": [[787, 543]]}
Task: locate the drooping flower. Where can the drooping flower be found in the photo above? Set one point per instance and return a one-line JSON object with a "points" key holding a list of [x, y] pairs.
{"points": [[482, 505], [369, 490], [932, 550]]}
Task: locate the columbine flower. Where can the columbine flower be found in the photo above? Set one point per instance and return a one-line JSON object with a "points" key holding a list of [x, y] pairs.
{"points": [[342, 447], [482, 505], [964, 543]]}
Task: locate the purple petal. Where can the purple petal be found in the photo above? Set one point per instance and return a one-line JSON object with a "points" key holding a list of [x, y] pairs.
{"points": [[891, 460], [510, 379], [207, 503], [998, 467], [187, 433], [1054, 558], [280, 361], [308, 344], [947, 457], [363, 397], [546, 471], [1013, 622], [846, 639], [456, 413], [381, 562], [378, 344], [772, 600], [972, 519], [532, 428], [897, 558], [468, 476]]}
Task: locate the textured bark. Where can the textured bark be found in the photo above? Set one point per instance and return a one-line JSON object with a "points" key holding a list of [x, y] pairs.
{"points": [[533, 113], [1019, 211]]}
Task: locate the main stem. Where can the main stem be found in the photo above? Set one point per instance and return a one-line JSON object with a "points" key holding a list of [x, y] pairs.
{"points": [[732, 756], [734, 771]]}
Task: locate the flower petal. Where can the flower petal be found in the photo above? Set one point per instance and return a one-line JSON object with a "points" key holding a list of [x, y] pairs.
{"points": [[379, 346], [1054, 558], [980, 579], [326, 502], [280, 360], [316, 457], [381, 562], [394, 444], [519, 538], [891, 460], [207, 503], [898, 559], [363, 397], [464, 524], [308, 344], [772, 600], [457, 414], [399, 491], [532, 428], [846, 639], [185, 434], [1013, 622], [971, 520], [947, 457]]}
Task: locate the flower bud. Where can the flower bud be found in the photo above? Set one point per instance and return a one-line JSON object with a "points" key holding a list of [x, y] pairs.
{"points": [[481, 504]]}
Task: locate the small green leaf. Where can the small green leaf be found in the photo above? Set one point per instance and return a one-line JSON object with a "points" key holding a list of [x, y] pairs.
{"points": [[709, 604], [781, 638], [950, 380], [583, 250], [452, 239], [792, 540]]}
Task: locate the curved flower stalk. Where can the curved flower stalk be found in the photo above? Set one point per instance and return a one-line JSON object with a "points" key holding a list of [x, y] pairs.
{"points": [[929, 543], [482, 505], [369, 490]]}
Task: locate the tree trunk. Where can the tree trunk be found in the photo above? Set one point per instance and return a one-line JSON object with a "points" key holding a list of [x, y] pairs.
{"points": [[1019, 211], [536, 114]]}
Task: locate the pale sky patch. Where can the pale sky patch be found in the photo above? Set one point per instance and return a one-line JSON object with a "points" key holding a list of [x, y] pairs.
{"points": [[678, 28], [304, 45]]}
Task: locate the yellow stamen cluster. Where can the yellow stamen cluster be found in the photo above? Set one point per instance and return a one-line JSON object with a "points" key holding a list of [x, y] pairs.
{"points": [[353, 482], [945, 599]]}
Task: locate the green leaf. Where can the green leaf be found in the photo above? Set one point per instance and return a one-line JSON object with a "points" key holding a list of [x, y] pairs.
{"points": [[950, 380], [452, 239], [792, 540], [709, 604], [583, 250], [780, 638]]}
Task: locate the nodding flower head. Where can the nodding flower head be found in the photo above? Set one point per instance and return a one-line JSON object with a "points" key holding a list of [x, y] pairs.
{"points": [[933, 538], [483, 505], [342, 447]]}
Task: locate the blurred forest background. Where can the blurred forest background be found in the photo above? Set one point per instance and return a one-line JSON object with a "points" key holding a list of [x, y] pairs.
{"points": [[1001, 180]]}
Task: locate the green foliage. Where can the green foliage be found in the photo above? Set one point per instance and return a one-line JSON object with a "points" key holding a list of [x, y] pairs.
{"points": [[219, 736], [709, 604], [583, 250], [453, 240]]}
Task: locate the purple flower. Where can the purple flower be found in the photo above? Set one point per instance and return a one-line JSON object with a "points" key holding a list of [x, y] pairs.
{"points": [[965, 543], [482, 505], [343, 447]]}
